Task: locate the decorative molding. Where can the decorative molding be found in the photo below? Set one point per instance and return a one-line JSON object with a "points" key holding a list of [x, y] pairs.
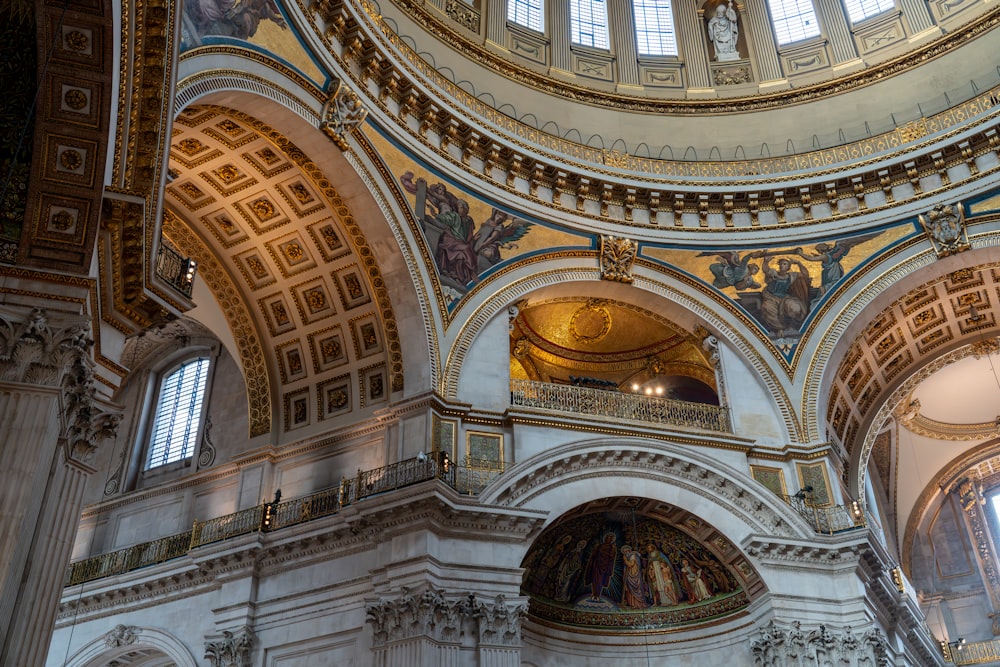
{"points": [[777, 646]]}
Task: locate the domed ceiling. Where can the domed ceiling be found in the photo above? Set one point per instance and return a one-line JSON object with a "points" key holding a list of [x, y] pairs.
{"points": [[624, 564], [608, 344]]}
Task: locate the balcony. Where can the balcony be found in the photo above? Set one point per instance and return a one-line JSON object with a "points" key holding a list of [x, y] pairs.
{"points": [[619, 405], [468, 478], [175, 269]]}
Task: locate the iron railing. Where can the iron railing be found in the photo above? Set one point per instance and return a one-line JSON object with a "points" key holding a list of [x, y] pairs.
{"points": [[619, 405], [828, 519], [972, 653], [175, 269], [470, 477]]}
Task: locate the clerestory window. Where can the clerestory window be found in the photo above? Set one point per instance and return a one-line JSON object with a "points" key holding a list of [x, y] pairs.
{"points": [[654, 28], [859, 10], [793, 20], [177, 420], [589, 23], [527, 13]]}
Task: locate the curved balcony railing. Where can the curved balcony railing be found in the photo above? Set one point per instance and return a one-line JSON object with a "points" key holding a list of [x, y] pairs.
{"points": [[619, 405], [828, 519], [469, 477]]}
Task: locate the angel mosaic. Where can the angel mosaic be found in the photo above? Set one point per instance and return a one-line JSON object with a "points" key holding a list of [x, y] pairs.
{"points": [[462, 251], [781, 287], [229, 18]]}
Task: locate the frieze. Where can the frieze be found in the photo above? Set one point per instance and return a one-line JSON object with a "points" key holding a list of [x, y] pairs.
{"points": [[434, 615], [778, 646]]}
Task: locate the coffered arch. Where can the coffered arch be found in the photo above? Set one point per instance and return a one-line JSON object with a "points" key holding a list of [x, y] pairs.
{"points": [[291, 262], [903, 342]]}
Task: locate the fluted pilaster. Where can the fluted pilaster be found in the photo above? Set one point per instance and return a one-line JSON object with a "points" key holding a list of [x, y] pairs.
{"points": [[758, 25], [621, 24], [496, 23], [691, 37], [834, 21]]}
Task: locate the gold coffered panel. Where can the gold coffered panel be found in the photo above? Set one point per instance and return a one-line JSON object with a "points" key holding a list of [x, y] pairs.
{"points": [[293, 249]]}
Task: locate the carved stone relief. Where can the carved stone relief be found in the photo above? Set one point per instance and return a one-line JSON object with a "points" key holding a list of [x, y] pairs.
{"points": [[434, 616], [617, 255], [945, 228], [341, 115], [780, 647]]}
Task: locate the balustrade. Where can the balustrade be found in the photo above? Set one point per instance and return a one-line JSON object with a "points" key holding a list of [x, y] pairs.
{"points": [[619, 405]]}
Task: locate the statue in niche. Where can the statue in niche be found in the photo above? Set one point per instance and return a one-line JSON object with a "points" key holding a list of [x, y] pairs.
{"points": [[723, 31]]}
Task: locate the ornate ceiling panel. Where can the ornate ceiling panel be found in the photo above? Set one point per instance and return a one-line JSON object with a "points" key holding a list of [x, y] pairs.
{"points": [[290, 246]]}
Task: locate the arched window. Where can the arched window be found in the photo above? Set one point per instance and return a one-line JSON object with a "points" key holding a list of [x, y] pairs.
{"points": [[178, 414], [859, 10], [589, 23], [654, 28], [793, 20], [527, 13]]}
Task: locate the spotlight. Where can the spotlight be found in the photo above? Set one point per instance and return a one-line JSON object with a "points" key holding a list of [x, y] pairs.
{"points": [[659, 391]]}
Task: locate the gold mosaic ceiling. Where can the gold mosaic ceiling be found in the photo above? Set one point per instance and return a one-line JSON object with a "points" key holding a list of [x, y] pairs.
{"points": [[292, 249], [556, 340]]}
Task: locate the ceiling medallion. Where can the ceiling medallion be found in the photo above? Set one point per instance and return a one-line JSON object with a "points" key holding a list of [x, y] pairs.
{"points": [[590, 323]]}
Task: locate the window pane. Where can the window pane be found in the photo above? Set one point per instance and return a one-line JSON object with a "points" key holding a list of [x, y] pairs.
{"points": [[526, 12], [589, 23], [859, 10], [793, 20], [178, 414], [654, 27]]}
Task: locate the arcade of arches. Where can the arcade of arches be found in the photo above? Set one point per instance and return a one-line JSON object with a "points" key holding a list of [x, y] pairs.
{"points": [[459, 343]]}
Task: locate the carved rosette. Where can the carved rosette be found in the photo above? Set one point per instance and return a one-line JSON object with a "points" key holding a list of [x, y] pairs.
{"points": [[33, 352], [341, 114], [776, 646], [233, 650], [433, 616], [617, 255]]}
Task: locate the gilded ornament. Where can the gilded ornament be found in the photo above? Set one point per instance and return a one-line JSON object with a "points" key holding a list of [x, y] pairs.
{"points": [[227, 173], [263, 209], [617, 255], [191, 190], [463, 14], [257, 266], [75, 99], [591, 322], [301, 193], [341, 114], [230, 127], [71, 159], [315, 299], [616, 159], [293, 252], [190, 146], [268, 156], [62, 220], [76, 41]]}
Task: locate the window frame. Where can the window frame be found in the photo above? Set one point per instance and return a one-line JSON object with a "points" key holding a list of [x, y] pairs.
{"points": [[782, 25], [673, 33], [515, 9], [194, 396], [597, 30]]}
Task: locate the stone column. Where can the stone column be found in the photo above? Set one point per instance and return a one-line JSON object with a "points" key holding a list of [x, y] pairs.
{"points": [[50, 423], [496, 23], [919, 17]]}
